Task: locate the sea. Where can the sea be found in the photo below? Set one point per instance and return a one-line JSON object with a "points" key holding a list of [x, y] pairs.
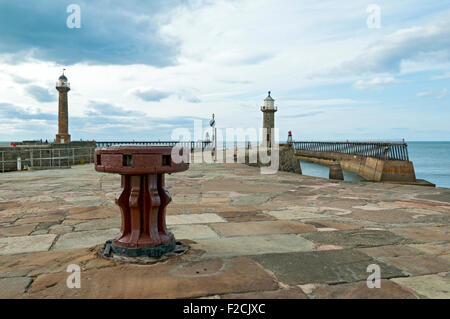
{"points": [[431, 162]]}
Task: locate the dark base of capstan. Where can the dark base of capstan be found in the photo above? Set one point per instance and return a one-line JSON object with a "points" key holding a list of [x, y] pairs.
{"points": [[156, 251], [150, 255]]}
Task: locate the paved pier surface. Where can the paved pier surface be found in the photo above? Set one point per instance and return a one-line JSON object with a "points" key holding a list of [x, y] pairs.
{"points": [[251, 236]]}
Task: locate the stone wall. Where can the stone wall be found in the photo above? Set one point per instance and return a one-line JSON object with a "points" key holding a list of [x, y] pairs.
{"points": [[370, 168], [46, 156]]}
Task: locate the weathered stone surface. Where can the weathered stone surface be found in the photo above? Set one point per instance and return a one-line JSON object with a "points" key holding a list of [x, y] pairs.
{"points": [[263, 227], [357, 238], [60, 229], [194, 219], [32, 264], [193, 232], [253, 245], [193, 279], [39, 219], [13, 287], [330, 266], [96, 224], [25, 244], [289, 293], [323, 223], [22, 230], [288, 161], [94, 213], [440, 250], [359, 290], [389, 251], [297, 213], [84, 239], [418, 265], [245, 216], [236, 194], [429, 286], [426, 234]]}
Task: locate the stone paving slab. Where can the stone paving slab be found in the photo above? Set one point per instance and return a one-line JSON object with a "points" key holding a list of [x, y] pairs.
{"points": [[12, 231], [287, 293], [332, 266], [429, 286], [426, 234], [25, 244], [252, 245], [84, 239], [358, 238], [185, 280], [36, 263], [193, 232], [262, 228], [359, 290], [298, 213], [390, 251], [13, 287], [418, 265], [194, 219]]}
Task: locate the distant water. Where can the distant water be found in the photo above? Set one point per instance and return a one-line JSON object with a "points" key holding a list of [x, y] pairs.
{"points": [[431, 161]]}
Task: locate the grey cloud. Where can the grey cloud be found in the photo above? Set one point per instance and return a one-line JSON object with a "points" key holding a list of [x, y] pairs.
{"points": [[20, 80], [112, 32], [430, 42], [39, 93], [154, 95], [306, 114], [252, 59], [100, 109], [151, 95], [10, 111]]}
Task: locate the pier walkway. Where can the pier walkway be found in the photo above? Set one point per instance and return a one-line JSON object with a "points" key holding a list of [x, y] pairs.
{"points": [[251, 236]]}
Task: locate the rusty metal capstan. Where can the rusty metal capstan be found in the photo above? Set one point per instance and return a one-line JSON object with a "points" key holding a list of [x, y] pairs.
{"points": [[143, 197]]}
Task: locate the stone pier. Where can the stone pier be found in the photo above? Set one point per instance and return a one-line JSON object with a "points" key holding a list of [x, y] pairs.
{"points": [[284, 235]]}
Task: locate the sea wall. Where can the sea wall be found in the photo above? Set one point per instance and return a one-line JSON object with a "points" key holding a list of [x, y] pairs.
{"points": [[46, 156], [370, 168]]}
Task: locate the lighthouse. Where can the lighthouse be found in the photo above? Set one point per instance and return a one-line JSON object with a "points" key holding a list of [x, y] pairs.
{"points": [[268, 110], [63, 86]]}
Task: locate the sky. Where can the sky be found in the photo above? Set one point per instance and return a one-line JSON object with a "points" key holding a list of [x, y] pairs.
{"points": [[338, 70]]}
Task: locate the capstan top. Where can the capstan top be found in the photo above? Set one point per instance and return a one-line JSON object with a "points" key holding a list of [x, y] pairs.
{"points": [[135, 160]]}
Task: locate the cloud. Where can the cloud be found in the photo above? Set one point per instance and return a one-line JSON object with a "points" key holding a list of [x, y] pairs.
{"points": [[40, 93], [442, 94], [436, 94], [373, 84], [444, 76], [306, 114], [150, 95], [10, 112], [20, 80], [112, 32], [155, 95], [100, 109], [423, 94], [429, 43]]}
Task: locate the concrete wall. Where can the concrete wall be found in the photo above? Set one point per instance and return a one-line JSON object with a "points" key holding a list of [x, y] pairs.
{"points": [[368, 167]]}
